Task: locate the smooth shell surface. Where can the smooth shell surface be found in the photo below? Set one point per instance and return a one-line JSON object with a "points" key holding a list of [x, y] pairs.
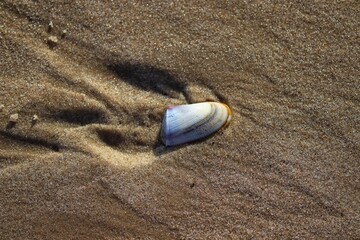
{"points": [[191, 122]]}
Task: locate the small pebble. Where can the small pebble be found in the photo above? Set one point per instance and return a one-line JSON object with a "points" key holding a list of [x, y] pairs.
{"points": [[1, 107], [52, 41], [63, 33], [14, 118], [50, 26], [35, 118]]}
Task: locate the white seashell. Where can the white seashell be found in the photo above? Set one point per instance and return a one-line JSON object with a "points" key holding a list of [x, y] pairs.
{"points": [[191, 122]]}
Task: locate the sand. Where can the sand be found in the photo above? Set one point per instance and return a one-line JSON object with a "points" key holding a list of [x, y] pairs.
{"points": [[99, 74]]}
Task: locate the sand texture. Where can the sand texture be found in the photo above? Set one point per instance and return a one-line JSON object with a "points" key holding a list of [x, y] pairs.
{"points": [[98, 75]]}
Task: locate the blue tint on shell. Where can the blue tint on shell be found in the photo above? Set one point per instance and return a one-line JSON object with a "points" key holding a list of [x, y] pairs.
{"points": [[186, 123]]}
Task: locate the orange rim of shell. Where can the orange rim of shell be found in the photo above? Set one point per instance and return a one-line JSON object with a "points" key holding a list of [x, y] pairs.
{"points": [[230, 114]]}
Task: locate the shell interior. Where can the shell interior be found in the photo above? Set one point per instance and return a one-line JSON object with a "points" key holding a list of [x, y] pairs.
{"points": [[191, 122]]}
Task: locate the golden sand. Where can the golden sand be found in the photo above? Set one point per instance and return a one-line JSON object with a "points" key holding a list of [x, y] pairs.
{"points": [[98, 75]]}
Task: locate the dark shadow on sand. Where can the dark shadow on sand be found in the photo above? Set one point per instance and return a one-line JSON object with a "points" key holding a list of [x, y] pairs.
{"points": [[80, 116], [149, 78], [10, 125], [160, 149], [30, 140]]}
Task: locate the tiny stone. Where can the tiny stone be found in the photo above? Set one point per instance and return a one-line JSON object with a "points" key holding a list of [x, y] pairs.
{"points": [[50, 26], [35, 118], [63, 33], [14, 118], [1, 107], [52, 41]]}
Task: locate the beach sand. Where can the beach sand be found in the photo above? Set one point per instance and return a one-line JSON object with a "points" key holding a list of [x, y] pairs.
{"points": [[98, 75]]}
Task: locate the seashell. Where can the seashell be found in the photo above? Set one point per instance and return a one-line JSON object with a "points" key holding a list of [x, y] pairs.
{"points": [[191, 122]]}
